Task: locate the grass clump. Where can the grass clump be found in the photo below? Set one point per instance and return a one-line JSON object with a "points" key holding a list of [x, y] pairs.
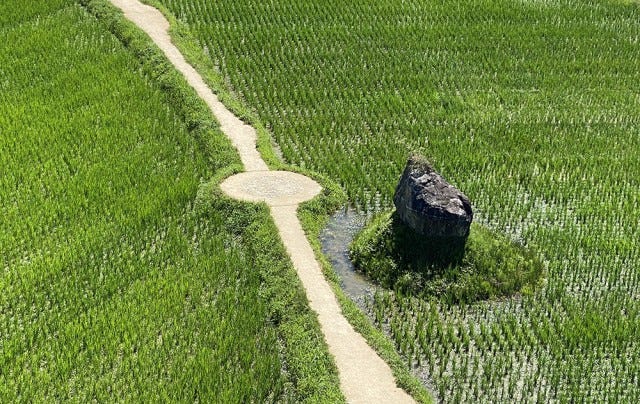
{"points": [[483, 266]]}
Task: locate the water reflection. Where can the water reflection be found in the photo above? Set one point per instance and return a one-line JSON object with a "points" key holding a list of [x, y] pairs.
{"points": [[335, 239]]}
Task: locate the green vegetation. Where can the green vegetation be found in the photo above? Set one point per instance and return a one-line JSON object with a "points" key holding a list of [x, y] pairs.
{"points": [[483, 266], [125, 276], [314, 216], [530, 107], [311, 372]]}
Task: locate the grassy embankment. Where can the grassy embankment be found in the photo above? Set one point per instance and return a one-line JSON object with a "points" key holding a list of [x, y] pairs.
{"points": [[483, 266], [126, 276], [313, 214], [530, 108]]}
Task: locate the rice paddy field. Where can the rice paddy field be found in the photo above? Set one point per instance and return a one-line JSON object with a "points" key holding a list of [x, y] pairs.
{"points": [[531, 108], [122, 277]]}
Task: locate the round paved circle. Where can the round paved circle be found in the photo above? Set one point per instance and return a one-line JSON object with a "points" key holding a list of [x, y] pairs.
{"points": [[276, 188]]}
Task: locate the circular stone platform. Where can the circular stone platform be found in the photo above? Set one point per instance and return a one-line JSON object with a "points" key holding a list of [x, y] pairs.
{"points": [[276, 188]]}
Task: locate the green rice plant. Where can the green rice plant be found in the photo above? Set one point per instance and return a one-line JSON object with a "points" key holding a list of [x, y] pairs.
{"points": [[530, 107], [118, 283]]}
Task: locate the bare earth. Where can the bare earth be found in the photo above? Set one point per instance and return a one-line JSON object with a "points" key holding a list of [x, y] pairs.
{"points": [[364, 376]]}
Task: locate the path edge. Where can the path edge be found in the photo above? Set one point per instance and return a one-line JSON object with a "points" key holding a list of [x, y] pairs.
{"points": [[182, 38], [298, 330], [313, 215]]}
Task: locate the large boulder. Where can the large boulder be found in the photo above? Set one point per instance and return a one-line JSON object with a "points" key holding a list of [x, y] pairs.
{"points": [[429, 205]]}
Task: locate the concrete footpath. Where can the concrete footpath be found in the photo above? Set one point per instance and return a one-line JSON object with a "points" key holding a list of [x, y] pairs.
{"points": [[364, 376]]}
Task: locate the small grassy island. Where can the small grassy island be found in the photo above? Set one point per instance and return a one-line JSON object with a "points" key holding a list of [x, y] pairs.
{"points": [[483, 266]]}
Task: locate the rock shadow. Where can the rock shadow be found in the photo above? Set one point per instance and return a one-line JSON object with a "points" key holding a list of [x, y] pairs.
{"points": [[423, 254]]}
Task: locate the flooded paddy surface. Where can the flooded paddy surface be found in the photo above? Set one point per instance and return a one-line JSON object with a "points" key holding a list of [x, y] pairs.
{"points": [[335, 239]]}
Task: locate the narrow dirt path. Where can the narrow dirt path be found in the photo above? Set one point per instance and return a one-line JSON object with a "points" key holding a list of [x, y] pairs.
{"points": [[364, 376], [156, 26]]}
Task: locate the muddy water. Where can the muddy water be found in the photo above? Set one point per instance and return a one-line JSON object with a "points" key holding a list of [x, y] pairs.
{"points": [[335, 239]]}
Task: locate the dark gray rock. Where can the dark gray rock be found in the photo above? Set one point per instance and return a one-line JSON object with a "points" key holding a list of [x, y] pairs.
{"points": [[429, 205]]}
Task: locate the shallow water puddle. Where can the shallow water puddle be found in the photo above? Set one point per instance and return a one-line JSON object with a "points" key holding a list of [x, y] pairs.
{"points": [[335, 239]]}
